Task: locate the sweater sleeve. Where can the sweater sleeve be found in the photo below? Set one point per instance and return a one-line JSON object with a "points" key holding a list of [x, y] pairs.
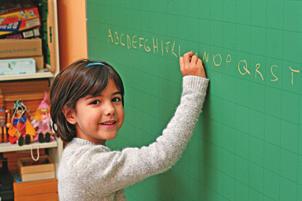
{"points": [[111, 171]]}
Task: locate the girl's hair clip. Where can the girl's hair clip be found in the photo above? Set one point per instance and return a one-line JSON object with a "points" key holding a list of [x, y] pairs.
{"points": [[95, 64]]}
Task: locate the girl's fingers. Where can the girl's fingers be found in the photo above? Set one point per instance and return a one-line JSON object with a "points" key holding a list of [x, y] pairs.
{"points": [[190, 59], [187, 59], [191, 64], [202, 70], [194, 59], [199, 62], [188, 54]]}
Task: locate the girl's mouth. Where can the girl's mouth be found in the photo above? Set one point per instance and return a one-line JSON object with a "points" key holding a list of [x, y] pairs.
{"points": [[109, 124]]}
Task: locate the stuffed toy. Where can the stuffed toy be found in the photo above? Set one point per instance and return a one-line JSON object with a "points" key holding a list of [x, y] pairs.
{"points": [[42, 122]]}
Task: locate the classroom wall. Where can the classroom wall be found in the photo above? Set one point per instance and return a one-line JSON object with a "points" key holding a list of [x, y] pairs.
{"points": [[72, 31]]}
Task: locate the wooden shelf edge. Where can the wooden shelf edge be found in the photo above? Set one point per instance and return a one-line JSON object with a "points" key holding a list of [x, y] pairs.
{"points": [[27, 76], [7, 147]]}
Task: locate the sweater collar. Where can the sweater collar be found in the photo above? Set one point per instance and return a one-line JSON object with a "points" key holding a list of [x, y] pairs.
{"points": [[81, 141]]}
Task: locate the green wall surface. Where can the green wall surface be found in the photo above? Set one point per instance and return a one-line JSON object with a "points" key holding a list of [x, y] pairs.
{"points": [[247, 145]]}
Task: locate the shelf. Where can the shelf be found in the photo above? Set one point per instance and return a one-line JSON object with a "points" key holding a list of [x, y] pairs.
{"points": [[7, 147], [27, 76]]}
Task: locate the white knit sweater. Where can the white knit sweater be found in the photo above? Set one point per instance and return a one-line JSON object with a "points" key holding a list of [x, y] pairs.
{"points": [[90, 172]]}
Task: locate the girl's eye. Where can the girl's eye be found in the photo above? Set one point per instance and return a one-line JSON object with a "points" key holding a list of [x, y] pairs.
{"points": [[95, 102], [116, 99]]}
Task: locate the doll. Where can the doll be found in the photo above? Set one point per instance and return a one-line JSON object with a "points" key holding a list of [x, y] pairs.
{"points": [[42, 122], [19, 127]]}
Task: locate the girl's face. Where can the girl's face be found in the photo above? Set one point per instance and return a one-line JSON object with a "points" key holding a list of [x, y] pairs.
{"points": [[99, 118]]}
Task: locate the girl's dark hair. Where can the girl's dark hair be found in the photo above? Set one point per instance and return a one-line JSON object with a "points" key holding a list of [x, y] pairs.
{"points": [[81, 78]]}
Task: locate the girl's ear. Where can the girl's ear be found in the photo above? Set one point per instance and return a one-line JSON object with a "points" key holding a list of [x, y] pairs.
{"points": [[69, 114]]}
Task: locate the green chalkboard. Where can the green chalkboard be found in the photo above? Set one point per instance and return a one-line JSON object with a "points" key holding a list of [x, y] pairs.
{"points": [[247, 145]]}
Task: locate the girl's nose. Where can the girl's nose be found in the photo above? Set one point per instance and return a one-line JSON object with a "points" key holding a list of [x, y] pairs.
{"points": [[109, 109]]}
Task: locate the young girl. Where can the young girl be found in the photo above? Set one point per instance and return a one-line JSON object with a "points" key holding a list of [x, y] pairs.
{"points": [[87, 101]]}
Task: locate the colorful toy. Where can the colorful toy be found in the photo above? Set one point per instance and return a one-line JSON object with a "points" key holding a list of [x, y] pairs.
{"points": [[19, 127], [42, 121]]}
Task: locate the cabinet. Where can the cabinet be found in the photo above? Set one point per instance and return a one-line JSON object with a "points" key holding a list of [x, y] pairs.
{"points": [[30, 87]]}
